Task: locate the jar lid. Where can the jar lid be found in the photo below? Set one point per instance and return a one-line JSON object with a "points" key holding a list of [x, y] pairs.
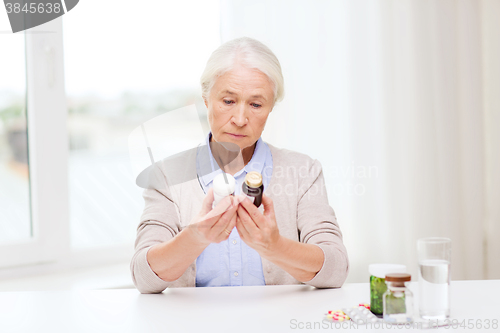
{"points": [[381, 270], [253, 179], [223, 188], [398, 277]]}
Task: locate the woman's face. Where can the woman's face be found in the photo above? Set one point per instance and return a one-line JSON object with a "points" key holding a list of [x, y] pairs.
{"points": [[238, 106]]}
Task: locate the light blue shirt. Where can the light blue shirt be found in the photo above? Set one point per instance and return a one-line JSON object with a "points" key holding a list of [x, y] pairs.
{"points": [[231, 262]]}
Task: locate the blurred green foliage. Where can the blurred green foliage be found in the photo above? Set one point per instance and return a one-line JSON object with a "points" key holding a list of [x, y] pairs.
{"points": [[12, 111]]}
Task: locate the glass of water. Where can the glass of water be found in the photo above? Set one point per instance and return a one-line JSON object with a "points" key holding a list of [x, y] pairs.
{"points": [[434, 258]]}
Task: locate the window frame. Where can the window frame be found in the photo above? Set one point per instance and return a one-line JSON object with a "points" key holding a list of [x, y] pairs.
{"points": [[48, 152]]}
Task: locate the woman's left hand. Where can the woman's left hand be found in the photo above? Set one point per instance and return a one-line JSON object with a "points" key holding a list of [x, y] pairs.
{"points": [[257, 230]]}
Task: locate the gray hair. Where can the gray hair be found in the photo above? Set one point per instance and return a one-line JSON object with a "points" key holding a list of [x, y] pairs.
{"points": [[248, 52]]}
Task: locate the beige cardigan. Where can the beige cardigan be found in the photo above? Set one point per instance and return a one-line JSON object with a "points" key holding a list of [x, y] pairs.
{"points": [[303, 214]]}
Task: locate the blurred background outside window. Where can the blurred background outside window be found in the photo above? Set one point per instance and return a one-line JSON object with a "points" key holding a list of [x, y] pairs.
{"points": [[15, 219], [120, 73]]}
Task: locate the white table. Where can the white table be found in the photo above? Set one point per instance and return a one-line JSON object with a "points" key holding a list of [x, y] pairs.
{"points": [[225, 309]]}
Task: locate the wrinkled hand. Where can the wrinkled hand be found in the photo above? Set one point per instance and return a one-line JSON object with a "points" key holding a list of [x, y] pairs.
{"points": [[214, 225], [257, 230]]}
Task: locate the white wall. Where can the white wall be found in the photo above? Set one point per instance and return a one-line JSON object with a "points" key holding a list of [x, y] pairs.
{"points": [[393, 98]]}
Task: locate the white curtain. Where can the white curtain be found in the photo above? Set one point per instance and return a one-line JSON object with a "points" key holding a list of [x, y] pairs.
{"points": [[400, 102]]}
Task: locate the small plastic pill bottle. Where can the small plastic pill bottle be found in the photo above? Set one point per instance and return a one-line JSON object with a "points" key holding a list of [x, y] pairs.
{"points": [[223, 185], [378, 286], [253, 187], [398, 299]]}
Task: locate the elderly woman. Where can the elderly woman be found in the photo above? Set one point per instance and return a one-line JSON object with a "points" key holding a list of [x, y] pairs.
{"points": [[292, 238]]}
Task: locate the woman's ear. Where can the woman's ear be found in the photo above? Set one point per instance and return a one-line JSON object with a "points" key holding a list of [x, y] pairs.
{"points": [[206, 102]]}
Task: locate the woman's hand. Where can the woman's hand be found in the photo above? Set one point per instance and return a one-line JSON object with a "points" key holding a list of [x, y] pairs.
{"points": [[257, 230], [214, 225]]}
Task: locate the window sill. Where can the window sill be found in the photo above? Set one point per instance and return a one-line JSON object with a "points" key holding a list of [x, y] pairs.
{"points": [[100, 268]]}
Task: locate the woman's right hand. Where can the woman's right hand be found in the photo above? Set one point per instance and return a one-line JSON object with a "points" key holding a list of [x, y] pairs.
{"points": [[215, 225]]}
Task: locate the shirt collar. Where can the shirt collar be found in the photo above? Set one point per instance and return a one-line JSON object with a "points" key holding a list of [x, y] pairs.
{"points": [[256, 162]]}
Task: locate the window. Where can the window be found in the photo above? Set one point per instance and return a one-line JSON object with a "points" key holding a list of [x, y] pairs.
{"points": [[119, 74], [34, 114], [15, 220], [77, 96]]}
